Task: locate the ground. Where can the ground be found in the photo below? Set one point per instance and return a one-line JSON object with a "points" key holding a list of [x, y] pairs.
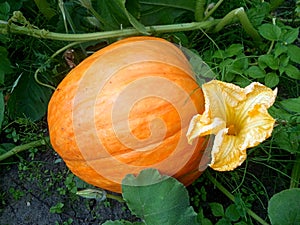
{"points": [[29, 190]]}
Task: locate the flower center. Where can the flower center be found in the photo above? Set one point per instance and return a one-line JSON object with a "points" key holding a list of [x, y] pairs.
{"points": [[232, 130]]}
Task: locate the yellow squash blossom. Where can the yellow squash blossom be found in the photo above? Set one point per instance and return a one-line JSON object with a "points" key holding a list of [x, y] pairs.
{"points": [[238, 119]]}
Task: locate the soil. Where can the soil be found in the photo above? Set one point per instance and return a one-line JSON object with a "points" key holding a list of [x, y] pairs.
{"points": [[29, 188]]}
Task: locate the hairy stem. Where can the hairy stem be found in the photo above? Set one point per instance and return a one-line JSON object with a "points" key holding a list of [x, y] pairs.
{"points": [[199, 10], [241, 15], [6, 28], [231, 197], [24, 147], [210, 12], [55, 54], [115, 197]]}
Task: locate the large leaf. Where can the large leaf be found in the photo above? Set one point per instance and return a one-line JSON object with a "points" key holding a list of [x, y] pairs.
{"points": [[293, 53], [116, 15], [45, 8], [164, 11], [284, 207], [286, 135], [28, 99], [291, 104], [2, 107], [292, 71], [158, 199], [270, 31], [5, 66], [136, 24], [202, 71], [4, 11]]}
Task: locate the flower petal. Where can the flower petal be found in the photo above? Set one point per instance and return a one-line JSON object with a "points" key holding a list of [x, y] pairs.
{"points": [[259, 127], [226, 153], [219, 96], [198, 128], [260, 94], [237, 116]]}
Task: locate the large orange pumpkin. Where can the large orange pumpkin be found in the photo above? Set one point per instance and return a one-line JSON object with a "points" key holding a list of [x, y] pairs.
{"points": [[125, 108]]}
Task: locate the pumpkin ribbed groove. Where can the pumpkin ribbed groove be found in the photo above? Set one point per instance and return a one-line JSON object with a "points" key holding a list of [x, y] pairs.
{"points": [[126, 108]]}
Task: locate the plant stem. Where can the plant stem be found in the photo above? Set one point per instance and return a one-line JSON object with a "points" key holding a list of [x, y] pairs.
{"points": [[271, 47], [241, 15], [210, 12], [115, 197], [199, 10], [231, 197], [5, 28], [49, 60], [295, 176], [24, 147]]}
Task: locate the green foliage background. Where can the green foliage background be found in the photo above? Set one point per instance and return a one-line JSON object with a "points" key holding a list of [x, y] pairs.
{"points": [[33, 62]]}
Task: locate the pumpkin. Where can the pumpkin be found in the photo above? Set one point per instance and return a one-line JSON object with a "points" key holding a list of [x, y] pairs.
{"points": [[126, 108]]}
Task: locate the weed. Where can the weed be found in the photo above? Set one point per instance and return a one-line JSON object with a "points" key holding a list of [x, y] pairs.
{"points": [[58, 208], [16, 193]]}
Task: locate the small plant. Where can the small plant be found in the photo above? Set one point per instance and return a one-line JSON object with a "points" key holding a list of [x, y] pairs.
{"points": [[68, 222], [16, 193], [58, 208]]}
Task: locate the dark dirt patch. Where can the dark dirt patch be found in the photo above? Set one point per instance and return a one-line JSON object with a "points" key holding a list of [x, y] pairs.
{"points": [[29, 188]]}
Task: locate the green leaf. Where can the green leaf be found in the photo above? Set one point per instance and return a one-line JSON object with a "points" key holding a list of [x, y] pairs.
{"points": [[292, 71], [45, 8], [164, 11], [5, 147], [219, 54], [217, 209], [234, 49], [242, 81], [118, 222], [283, 61], [179, 4], [200, 68], [4, 11], [241, 223], [28, 99], [158, 199], [255, 72], [239, 65], [284, 207], [112, 14], [270, 32], [258, 13], [115, 15], [279, 49], [57, 208], [136, 24], [287, 138], [5, 66], [232, 213], [271, 80], [294, 53], [290, 35], [2, 108], [202, 219], [291, 104], [223, 221], [240, 205], [268, 61]]}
